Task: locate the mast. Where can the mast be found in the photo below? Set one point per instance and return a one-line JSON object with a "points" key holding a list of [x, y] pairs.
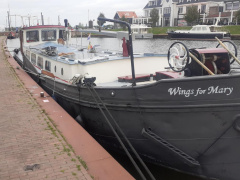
{"points": [[66, 30], [42, 19], [59, 20], [9, 20]]}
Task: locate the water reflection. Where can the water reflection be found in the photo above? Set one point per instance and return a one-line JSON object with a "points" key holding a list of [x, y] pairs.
{"points": [[160, 46]]}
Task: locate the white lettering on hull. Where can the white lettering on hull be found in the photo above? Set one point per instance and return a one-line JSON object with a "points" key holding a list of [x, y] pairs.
{"points": [[178, 91]]}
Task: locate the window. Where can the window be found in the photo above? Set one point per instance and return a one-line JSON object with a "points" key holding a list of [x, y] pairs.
{"points": [[40, 62], [33, 58], [28, 54], [203, 8], [194, 29], [62, 34], [48, 66], [232, 5], [151, 3], [55, 68], [220, 9], [204, 28], [32, 36], [180, 10], [167, 10], [49, 35], [62, 71], [146, 13], [160, 11]]}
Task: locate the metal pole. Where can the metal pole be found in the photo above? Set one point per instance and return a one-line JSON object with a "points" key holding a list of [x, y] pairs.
{"points": [[232, 13], [29, 20], [88, 18], [9, 21], [42, 19], [81, 40], [130, 44]]}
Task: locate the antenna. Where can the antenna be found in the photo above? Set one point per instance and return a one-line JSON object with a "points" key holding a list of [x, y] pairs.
{"points": [[9, 20]]}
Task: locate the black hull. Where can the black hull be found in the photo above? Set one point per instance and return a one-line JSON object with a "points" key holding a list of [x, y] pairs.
{"points": [[196, 130], [193, 36], [19, 61]]}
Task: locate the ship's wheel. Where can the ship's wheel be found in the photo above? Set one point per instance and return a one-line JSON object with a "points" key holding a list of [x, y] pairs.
{"points": [[178, 56], [231, 47]]}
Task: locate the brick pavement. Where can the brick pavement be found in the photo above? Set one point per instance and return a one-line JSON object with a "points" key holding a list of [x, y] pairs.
{"points": [[30, 146]]}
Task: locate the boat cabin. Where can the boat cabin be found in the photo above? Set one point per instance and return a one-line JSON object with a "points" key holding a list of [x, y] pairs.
{"points": [[205, 29], [43, 33], [200, 28], [43, 50], [141, 31]]}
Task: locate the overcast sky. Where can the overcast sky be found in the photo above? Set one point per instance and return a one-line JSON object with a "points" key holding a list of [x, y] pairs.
{"points": [[76, 11]]}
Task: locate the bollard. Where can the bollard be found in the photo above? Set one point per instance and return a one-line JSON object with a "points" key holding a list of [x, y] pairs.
{"points": [[41, 94]]}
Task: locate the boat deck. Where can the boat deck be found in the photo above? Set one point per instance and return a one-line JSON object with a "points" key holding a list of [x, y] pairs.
{"points": [[71, 55]]}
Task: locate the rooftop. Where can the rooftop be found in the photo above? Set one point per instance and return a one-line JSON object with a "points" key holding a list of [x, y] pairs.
{"points": [[127, 14]]}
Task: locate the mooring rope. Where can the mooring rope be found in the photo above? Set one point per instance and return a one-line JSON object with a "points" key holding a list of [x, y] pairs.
{"points": [[122, 133], [117, 136]]}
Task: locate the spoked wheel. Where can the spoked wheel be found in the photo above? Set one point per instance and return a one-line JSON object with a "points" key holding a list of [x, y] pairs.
{"points": [[231, 47], [178, 56]]}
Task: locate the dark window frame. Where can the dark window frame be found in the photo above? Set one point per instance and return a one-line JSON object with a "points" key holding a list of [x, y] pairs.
{"points": [[48, 65], [40, 62], [32, 36]]}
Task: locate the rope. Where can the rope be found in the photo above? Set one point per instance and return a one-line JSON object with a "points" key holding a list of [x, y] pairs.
{"points": [[117, 136], [124, 136]]}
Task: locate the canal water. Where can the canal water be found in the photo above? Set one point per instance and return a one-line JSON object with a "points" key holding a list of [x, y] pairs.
{"points": [[160, 46]]}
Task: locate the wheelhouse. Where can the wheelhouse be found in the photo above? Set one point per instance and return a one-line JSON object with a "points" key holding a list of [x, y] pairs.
{"points": [[42, 34]]}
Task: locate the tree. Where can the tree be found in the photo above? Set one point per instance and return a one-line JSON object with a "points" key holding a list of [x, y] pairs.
{"points": [[192, 14], [154, 16], [100, 23], [123, 18]]}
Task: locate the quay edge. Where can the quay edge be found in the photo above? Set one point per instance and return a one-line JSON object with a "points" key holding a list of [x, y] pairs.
{"points": [[165, 36]]}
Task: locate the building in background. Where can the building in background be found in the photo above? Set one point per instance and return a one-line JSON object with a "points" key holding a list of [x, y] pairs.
{"points": [[210, 11], [172, 12], [166, 10], [129, 15]]}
